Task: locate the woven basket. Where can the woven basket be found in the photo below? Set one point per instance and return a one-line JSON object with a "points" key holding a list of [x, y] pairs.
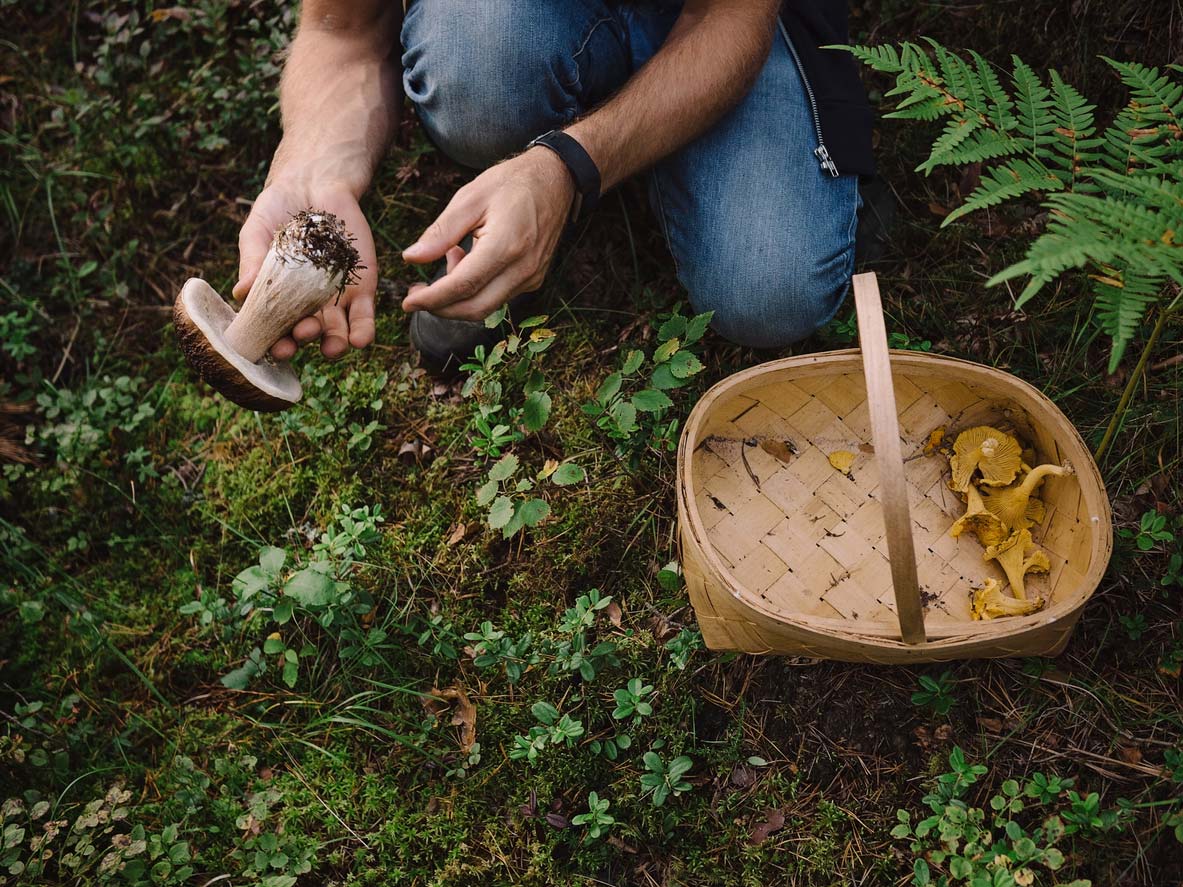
{"points": [[783, 553]]}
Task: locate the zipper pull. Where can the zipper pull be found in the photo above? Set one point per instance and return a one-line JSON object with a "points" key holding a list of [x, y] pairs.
{"points": [[826, 161]]}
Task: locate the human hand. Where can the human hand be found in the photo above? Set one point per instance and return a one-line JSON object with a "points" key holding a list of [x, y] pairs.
{"points": [[516, 212], [343, 323]]}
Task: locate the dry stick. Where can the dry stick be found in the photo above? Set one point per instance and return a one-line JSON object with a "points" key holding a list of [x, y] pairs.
{"points": [[66, 352]]}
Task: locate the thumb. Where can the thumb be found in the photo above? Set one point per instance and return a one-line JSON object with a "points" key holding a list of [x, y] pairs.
{"points": [[253, 242], [458, 219]]}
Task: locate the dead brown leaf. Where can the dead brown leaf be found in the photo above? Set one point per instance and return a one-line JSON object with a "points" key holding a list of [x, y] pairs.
{"points": [[614, 613], [463, 715], [773, 821], [778, 449], [459, 531]]}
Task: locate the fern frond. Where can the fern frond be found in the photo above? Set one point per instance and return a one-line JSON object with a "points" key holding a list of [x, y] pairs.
{"points": [[1012, 179], [999, 105], [1122, 300], [944, 149], [884, 59], [1033, 103], [1075, 128], [1156, 98]]}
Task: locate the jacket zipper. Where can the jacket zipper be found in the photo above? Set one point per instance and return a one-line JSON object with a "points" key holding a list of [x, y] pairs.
{"points": [[820, 152]]}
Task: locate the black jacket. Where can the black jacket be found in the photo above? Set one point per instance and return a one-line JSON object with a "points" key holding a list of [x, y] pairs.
{"points": [[842, 107]]}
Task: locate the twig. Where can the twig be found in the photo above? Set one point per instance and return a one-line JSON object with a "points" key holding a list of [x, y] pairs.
{"points": [[66, 353]]}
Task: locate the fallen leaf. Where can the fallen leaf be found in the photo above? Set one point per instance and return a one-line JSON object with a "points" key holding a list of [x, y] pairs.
{"points": [[866, 448], [620, 845], [1130, 754], [457, 536], [779, 449], [463, 715], [413, 449], [944, 733], [557, 820], [614, 613], [990, 725], [842, 460], [774, 820], [742, 777], [938, 210], [935, 437]]}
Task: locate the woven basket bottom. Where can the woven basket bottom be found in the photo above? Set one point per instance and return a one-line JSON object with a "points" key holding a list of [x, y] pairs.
{"points": [[809, 539]]}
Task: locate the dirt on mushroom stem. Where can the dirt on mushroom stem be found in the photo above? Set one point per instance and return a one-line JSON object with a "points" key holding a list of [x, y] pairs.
{"points": [[321, 238]]}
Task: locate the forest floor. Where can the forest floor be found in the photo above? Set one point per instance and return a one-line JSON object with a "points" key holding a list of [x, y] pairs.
{"points": [[438, 703]]}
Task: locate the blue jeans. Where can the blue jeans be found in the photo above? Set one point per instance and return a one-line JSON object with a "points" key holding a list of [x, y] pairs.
{"points": [[760, 234]]}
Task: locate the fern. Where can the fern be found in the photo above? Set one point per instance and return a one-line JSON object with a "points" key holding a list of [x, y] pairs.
{"points": [[1114, 196]]}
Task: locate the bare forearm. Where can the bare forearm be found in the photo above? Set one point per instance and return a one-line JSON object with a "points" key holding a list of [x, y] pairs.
{"points": [[709, 61], [340, 93]]}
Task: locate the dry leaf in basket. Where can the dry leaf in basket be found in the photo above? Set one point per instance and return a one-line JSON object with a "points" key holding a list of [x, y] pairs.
{"points": [[1018, 556], [989, 602], [842, 460], [993, 453]]}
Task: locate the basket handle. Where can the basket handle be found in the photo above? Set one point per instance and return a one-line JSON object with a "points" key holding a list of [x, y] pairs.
{"points": [[885, 433]]}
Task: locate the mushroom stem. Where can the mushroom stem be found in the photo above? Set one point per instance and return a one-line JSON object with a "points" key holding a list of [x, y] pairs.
{"points": [[287, 289], [1036, 475]]}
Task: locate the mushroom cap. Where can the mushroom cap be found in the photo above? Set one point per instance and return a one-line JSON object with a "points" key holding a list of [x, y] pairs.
{"points": [[201, 317], [1018, 556], [994, 453]]}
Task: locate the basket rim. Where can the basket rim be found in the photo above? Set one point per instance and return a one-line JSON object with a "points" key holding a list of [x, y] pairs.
{"points": [[849, 360]]}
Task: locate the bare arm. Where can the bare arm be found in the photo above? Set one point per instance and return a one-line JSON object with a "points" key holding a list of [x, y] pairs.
{"points": [[517, 209], [339, 98]]}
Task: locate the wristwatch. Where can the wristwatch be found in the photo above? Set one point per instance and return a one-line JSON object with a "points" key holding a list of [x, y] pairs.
{"points": [[583, 169]]}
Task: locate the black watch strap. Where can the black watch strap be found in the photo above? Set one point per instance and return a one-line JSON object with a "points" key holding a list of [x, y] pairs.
{"points": [[583, 169]]}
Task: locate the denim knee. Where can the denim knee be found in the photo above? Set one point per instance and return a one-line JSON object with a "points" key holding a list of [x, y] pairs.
{"points": [[770, 301], [486, 78]]}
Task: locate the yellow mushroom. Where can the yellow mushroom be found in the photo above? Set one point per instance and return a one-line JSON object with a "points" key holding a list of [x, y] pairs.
{"points": [[980, 521], [1018, 556], [989, 602], [994, 453], [1013, 503]]}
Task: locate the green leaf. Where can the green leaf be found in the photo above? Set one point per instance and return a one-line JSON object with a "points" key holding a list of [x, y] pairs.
{"points": [[501, 512], [282, 612], [271, 559], [684, 364], [486, 493], [504, 468], [624, 414], [673, 328], [536, 411], [568, 473], [310, 588], [633, 362], [271, 646], [545, 713], [291, 673], [609, 387], [664, 379], [697, 327], [650, 400], [495, 319], [532, 511], [666, 351]]}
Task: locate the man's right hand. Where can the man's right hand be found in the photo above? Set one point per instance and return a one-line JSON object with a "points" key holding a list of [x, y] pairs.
{"points": [[347, 322]]}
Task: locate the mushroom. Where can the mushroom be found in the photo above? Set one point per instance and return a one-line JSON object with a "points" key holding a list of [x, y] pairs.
{"points": [[311, 261], [980, 520], [1018, 556], [989, 602], [1013, 504], [995, 453]]}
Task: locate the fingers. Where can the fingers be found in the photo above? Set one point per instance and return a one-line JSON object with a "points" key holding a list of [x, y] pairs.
{"points": [[253, 242], [469, 277], [459, 217], [453, 257], [334, 340], [357, 320], [284, 349]]}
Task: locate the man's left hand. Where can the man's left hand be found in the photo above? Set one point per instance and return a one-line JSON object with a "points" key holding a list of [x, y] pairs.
{"points": [[516, 212]]}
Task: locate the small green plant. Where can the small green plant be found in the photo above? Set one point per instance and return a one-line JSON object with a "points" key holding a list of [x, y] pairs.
{"points": [[663, 778], [633, 413], [511, 504], [936, 693], [1135, 626], [1002, 847], [338, 406], [682, 646], [597, 819], [632, 702], [1152, 531], [554, 729], [611, 747]]}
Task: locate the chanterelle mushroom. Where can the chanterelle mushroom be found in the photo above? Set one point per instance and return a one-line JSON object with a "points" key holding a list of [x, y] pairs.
{"points": [[310, 262], [989, 602], [994, 453], [1018, 556], [979, 520], [1012, 504]]}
